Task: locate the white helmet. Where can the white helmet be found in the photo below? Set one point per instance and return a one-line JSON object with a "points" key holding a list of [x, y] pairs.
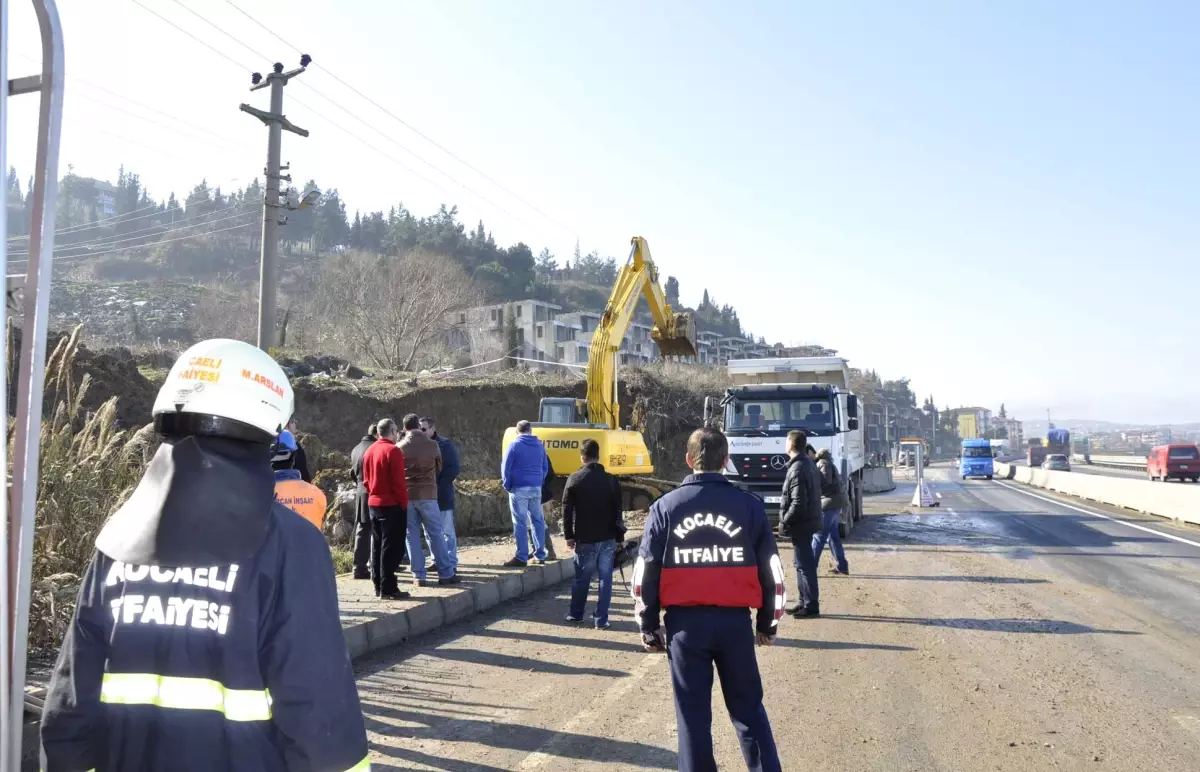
{"points": [[225, 388]]}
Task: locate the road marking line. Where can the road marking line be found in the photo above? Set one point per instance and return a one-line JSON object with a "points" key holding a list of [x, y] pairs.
{"points": [[1093, 513], [584, 717]]}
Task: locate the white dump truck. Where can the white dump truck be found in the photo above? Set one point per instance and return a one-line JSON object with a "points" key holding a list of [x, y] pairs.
{"points": [[770, 398]]}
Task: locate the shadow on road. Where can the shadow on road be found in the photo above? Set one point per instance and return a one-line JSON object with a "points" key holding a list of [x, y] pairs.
{"points": [[797, 643], [479, 657], [1043, 626], [508, 736], [978, 579]]}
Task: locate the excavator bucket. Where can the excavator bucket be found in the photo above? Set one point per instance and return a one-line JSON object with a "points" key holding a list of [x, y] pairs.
{"points": [[679, 340]]}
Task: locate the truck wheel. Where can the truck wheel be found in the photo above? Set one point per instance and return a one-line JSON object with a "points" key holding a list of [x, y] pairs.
{"points": [[989, 477]]}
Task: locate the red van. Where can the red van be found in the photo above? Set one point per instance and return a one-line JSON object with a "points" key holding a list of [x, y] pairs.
{"points": [[1167, 461]]}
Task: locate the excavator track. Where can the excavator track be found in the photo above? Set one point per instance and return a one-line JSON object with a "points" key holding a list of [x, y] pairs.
{"points": [[640, 492]]}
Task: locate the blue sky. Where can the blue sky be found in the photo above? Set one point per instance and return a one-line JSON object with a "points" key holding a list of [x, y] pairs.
{"points": [[998, 200]]}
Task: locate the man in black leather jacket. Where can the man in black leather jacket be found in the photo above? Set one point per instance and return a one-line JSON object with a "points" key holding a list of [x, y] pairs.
{"points": [[800, 519]]}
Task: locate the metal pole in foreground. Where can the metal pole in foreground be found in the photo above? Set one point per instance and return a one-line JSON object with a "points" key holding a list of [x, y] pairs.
{"points": [[22, 493], [276, 122]]}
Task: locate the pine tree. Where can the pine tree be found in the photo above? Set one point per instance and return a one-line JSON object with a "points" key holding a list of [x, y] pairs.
{"points": [[672, 291], [512, 340], [1003, 415]]}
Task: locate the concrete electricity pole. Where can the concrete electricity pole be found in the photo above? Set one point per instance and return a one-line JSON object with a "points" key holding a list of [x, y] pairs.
{"points": [[276, 122]]}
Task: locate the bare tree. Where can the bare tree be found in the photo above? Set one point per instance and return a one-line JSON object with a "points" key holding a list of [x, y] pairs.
{"points": [[391, 308]]}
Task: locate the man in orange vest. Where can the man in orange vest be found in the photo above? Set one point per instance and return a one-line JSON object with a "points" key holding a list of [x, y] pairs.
{"points": [[303, 498]]}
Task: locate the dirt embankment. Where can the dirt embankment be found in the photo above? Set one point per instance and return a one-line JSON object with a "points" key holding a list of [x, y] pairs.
{"points": [[473, 415], [337, 411]]}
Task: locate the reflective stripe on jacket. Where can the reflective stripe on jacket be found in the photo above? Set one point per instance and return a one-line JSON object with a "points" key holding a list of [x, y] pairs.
{"points": [[239, 667], [708, 543]]}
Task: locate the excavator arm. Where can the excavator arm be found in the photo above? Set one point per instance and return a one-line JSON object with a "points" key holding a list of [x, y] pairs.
{"points": [[675, 333]]}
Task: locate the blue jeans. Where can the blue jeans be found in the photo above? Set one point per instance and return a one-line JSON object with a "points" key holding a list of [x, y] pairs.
{"points": [[829, 531], [450, 538], [594, 558], [806, 573], [526, 505], [425, 513]]}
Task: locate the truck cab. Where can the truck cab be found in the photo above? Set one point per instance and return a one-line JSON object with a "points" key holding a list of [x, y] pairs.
{"points": [[757, 416]]}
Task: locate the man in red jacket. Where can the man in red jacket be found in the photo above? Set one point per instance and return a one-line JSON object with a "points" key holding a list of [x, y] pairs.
{"points": [[387, 501]]}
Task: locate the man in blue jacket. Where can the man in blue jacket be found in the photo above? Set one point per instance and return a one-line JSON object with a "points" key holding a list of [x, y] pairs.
{"points": [[445, 488], [522, 470]]}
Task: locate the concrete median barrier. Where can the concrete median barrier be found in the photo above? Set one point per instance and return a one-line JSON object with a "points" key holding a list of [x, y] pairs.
{"points": [[878, 479], [1175, 501]]}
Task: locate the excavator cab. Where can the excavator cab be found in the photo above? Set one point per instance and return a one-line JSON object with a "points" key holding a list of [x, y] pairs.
{"points": [[562, 410]]}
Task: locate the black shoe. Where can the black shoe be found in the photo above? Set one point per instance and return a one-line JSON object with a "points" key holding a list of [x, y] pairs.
{"points": [[836, 570], [793, 610], [431, 568], [422, 582], [394, 595], [516, 563], [361, 576], [807, 613], [450, 580]]}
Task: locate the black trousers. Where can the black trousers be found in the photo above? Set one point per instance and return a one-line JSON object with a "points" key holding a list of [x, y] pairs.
{"points": [[389, 527], [700, 638], [362, 535]]}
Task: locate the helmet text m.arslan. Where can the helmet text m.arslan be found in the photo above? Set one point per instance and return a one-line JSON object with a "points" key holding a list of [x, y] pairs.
{"points": [[258, 378]]}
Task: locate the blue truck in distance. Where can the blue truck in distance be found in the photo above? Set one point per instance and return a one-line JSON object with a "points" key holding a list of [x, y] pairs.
{"points": [[976, 459]]}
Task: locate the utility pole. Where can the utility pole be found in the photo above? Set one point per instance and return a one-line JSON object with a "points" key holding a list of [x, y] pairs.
{"points": [[276, 122]]}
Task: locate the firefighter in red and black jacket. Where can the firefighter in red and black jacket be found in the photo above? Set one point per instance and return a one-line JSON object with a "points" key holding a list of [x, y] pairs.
{"points": [[707, 557]]}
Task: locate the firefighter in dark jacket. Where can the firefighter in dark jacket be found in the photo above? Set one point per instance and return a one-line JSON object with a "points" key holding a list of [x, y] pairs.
{"points": [[206, 634], [707, 557], [800, 519], [362, 510]]}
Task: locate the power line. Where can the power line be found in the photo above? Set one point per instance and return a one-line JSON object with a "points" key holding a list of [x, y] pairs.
{"points": [[405, 123], [383, 134], [169, 228], [130, 99], [249, 48], [160, 124], [155, 244], [356, 117], [209, 46], [119, 219], [85, 226], [102, 243]]}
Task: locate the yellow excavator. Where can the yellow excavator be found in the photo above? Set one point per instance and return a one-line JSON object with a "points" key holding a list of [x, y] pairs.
{"points": [[564, 422]]}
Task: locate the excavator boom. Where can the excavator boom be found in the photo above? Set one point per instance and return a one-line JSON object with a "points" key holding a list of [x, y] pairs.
{"points": [[675, 333]]}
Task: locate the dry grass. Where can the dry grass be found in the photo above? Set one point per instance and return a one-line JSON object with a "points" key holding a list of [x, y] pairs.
{"points": [[87, 468]]}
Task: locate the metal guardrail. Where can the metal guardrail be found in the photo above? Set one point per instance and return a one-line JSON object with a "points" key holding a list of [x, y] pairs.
{"points": [[1120, 462]]}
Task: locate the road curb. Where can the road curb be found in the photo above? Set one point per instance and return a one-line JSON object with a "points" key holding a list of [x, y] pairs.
{"points": [[434, 612]]}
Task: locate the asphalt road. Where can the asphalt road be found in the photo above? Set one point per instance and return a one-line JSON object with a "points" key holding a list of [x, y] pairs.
{"points": [[998, 631]]}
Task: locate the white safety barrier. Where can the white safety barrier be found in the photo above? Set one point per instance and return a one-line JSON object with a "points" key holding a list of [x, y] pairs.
{"points": [[878, 479], [1176, 501]]}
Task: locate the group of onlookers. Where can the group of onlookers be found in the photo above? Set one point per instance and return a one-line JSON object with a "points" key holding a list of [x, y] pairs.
{"points": [[814, 495], [405, 486], [591, 509]]}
